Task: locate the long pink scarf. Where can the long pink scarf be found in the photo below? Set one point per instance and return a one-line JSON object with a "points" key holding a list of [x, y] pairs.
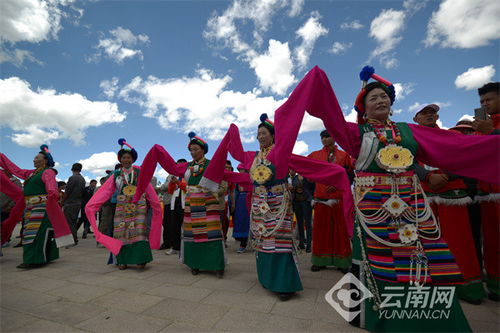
{"points": [[468, 156], [317, 171]]}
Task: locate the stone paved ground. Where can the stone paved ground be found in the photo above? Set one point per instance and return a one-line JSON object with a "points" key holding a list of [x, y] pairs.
{"points": [[80, 293]]}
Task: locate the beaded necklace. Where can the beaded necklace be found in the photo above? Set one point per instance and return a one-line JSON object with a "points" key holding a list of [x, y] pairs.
{"points": [[125, 174], [197, 168], [379, 130]]}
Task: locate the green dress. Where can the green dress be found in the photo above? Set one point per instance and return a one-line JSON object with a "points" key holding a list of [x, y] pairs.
{"points": [[202, 245], [39, 245], [387, 264]]}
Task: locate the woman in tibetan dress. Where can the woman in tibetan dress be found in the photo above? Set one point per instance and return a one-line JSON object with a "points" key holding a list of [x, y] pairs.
{"points": [[398, 251], [202, 246], [129, 225], [45, 227]]}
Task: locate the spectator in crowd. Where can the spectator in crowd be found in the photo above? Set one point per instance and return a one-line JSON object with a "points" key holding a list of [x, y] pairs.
{"points": [[167, 216], [331, 244], [302, 194], [177, 191], [241, 216], [61, 187], [489, 194], [87, 194], [449, 199], [72, 199]]}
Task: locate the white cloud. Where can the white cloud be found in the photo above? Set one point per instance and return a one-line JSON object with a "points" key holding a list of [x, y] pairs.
{"points": [[171, 103], [161, 174], [352, 116], [29, 20], [274, 68], [412, 6], [17, 56], [418, 106], [295, 7], [32, 21], [300, 148], [440, 124], [353, 25], [474, 78], [98, 163], [121, 45], [397, 111], [310, 123], [403, 90], [464, 24], [224, 31], [339, 47], [109, 87], [386, 29], [309, 33], [43, 115]]}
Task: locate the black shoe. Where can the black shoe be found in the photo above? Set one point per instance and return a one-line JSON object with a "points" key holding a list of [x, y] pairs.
{"points": [[29, 266], [308, 249], [284, 296], [195, 271], [18, 245], [493, 297], [90, 232], [84, 236], [315, 268], [220, 274], [301, 246], [163, 247]]}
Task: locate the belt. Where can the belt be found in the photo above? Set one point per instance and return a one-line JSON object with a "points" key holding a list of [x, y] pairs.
{"points": [[264, 190], [370, 181], [197, 189], [35, 199]]}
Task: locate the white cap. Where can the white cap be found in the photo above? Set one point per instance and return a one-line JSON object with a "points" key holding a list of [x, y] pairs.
{"points": [[421, 107]]}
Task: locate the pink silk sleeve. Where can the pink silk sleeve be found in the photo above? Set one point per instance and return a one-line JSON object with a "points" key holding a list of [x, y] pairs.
{"points": [[102, 195], [157, 154], [242, 179], [62, 231], [465, 155], [328, 174], [13, 168], [231, 143], [314, 94], [16, 213], [157, 219]]}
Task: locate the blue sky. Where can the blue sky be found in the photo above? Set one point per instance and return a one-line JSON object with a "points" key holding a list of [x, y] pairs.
{"points": [[78, 75]]}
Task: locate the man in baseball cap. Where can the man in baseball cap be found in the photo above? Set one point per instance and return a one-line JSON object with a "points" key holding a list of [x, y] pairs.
{"points": [[427, 115]]}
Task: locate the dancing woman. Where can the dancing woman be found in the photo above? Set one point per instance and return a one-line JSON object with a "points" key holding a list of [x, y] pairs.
{"points": [[202, 245], [270, 213], [45, 228], [130, 239], [397, 244]]}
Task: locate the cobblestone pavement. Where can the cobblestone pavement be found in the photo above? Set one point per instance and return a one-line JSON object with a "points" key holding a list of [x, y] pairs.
{"points": [[80, 293]]}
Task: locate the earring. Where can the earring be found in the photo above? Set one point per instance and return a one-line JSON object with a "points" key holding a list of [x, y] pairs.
{"points": [[390, 113]]}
